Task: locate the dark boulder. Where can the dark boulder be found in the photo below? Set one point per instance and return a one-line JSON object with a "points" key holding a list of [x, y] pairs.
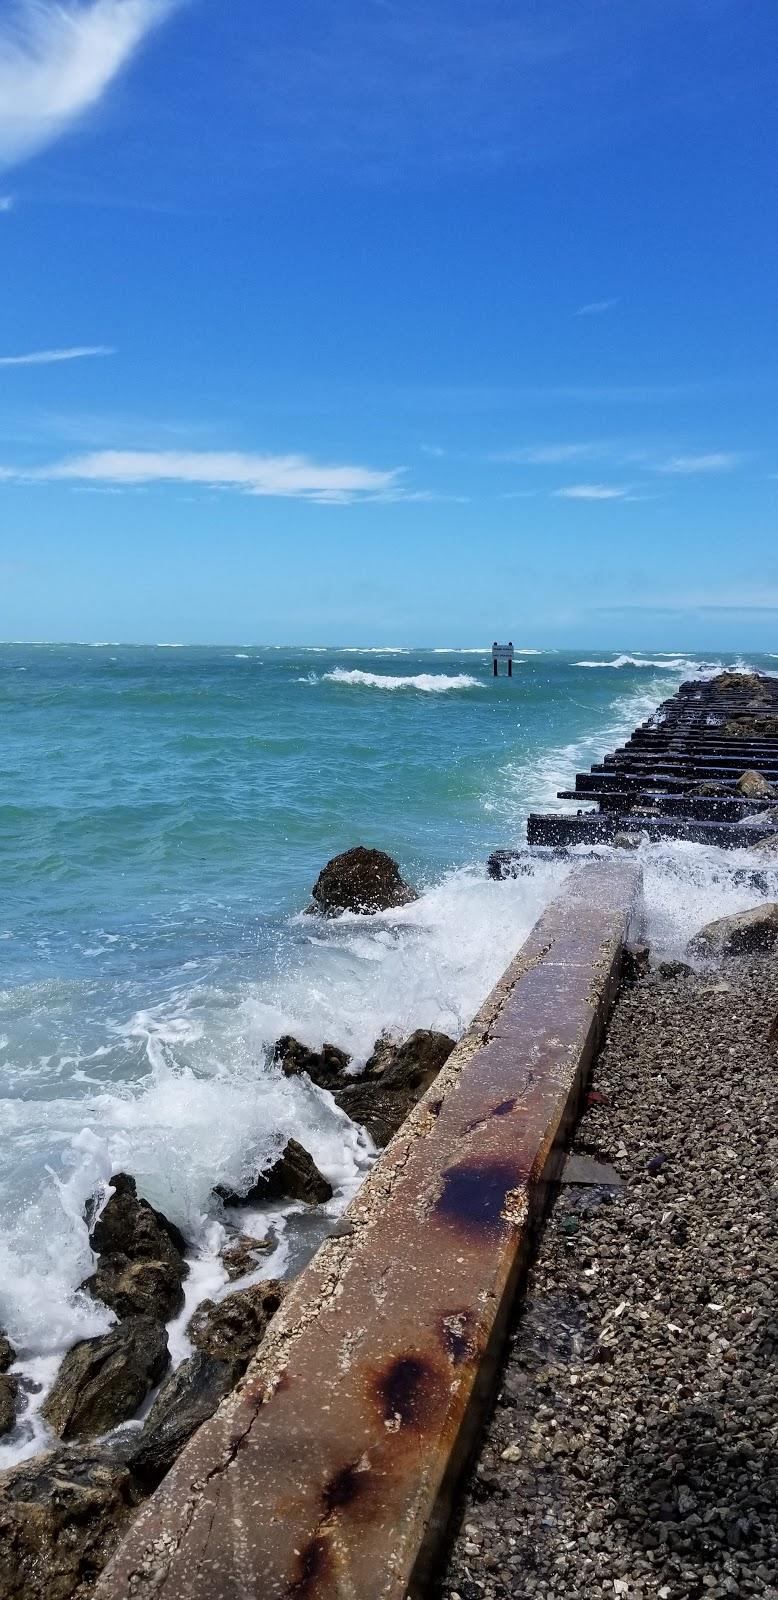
{"points": [[361, 880], [9, 1387], [141, 1264], [509, 864], [187, 1399], [294, 1176], [9, 1392], [753, 932], [102, 1381], [635, 962], [232, 1329], [241, 1257], [767, 848], [61, 1513], [755, 786], [713, 789], [326, 1066], [395, 1077]]}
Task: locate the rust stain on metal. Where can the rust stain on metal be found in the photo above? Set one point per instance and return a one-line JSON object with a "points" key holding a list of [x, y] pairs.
{"points": [[474, 1194], [409, 1392], [315, 1566]]}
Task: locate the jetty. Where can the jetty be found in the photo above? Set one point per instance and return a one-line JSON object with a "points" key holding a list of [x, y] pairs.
{"points": [[681, 774]]}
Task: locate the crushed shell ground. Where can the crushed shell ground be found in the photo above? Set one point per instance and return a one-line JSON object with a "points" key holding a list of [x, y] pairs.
{"points": [[633, 1450]]}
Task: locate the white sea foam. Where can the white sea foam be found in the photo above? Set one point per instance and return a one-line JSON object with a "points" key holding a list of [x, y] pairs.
{"points": [[427, 682]]}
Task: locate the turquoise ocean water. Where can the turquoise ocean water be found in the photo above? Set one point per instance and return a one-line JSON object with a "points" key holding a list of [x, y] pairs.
{"points": [[164, 812]]}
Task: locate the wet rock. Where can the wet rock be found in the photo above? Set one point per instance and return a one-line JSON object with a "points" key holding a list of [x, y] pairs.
{"points": [[103, 1381], [509, 864], [751, 683], [294, 1176], [756, 787], [9, 1389], [747, 933], [232, 1329], [712, 789], [627, 841], [61, 1513], [242, 1257], [674, 969], [326, 1067], [141, 1266], [7, 1353], [137, 1288], [187, 1399], [743, 726], [395, 1077], [767, 848], [635, 962], [361, 880]]}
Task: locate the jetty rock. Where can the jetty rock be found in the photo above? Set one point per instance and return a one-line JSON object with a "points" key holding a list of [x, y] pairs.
{"points": [[232, 1328], [141, 1264], [61, 1513], [326, 1067], [752, 932], [187, 1399], [102, 1381], [395, 1077], [753, 683], [361, 880], [8, 1386], [294, 1176], [240, 1258], [756, 787]]}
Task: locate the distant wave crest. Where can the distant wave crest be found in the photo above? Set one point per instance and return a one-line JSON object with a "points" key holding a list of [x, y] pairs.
{"points": [[669, 663], [428, 682]]}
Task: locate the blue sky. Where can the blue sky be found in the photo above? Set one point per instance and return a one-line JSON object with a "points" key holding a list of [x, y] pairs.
{"points": [[389, 321]]}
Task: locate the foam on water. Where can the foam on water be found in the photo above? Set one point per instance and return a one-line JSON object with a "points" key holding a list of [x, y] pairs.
{"points": [[427, 682]]}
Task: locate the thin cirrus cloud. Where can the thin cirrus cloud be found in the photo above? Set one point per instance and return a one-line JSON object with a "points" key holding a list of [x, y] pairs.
{"points": [[713, 461], [290, 476], [596, 308], [45, 358], [591, 491], [553, 455], [6, 202], [57, 58]]}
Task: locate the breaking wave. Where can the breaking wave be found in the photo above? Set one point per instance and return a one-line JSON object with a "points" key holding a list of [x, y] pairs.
{"points": [[427, 682]]}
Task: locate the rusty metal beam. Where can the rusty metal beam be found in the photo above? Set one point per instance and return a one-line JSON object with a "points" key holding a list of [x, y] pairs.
{"points": [[329, 1474]]}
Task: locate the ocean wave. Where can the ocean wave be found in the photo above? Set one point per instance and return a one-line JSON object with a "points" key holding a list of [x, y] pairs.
{"points": [[427, 682], [667, 663]]}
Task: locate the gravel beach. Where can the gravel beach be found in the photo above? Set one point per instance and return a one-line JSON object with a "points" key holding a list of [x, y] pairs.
{"points": [[633, 1449]]}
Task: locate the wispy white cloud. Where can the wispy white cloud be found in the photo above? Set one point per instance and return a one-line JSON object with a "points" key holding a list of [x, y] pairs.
{"points": [[713, 461], [6, 202], [290, 476], [44, 358], [554, 455], [595, 308], [57, 58], [592, 491]]}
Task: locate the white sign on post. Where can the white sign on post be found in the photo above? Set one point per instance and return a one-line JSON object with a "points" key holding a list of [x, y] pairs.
{"points": [[502, 652]]}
